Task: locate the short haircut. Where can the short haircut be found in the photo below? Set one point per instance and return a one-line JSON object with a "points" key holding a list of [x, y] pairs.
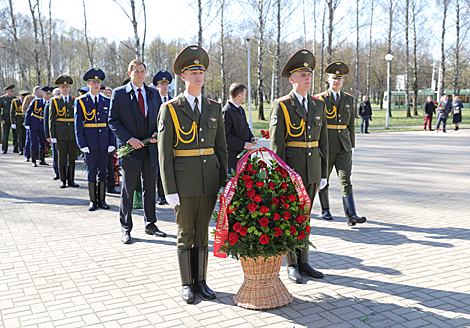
{"points": [[457, 98], [236, 89], [55, 91], [135, 62], [36, 88], [108, 88]]}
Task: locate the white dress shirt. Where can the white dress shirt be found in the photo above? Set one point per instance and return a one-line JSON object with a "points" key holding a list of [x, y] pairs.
{"points": [[191, 98], [300, 98], [336, 95], [143, 95], [163, 100]]}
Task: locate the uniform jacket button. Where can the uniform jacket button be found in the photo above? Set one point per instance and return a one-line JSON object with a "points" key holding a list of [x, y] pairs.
{"points": [[309, 154], [202, 139], [205, 160]]}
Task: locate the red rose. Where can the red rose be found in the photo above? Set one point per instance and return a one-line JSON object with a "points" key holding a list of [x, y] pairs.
{"points": [[307, 228], [302, 206], [284, 174], [264, 222], [271, 185], [292, 197], [277, 217], [264, 209], [243, 231], [299, 219], [277, 232], [262, 164], [257, 198], [283, 186], [286, 215], [282, 198], [245, 177], [301, 235], [249, 167], [264, 239], [251, 193], [275, 201], [237, 226], [278, 169], [252, 207], [292, 230], [249, 184], [232, 238], [253, 172], [259, 184], [286, 206]]}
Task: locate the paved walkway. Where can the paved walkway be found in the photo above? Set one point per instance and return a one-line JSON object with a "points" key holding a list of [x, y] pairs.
{"points": [[407, 266]]}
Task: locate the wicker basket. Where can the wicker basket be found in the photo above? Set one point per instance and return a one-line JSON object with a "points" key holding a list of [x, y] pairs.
{"points": [[262, 287]]}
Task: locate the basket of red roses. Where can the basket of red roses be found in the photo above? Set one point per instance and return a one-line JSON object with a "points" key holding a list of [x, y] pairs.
{"points": [[263, 214]]}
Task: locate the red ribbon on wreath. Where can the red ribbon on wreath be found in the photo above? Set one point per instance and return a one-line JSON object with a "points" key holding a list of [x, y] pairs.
{"points": [[221, 230]]}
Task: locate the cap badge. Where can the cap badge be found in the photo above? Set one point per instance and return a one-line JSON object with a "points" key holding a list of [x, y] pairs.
{"points": [[338, 64], [194, 48], [337, 72], [304, 52], [96, 77], [196, 61], [96, 69], [305, 64], [164, 78]]}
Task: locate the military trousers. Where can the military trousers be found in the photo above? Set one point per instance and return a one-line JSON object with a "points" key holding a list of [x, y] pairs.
{"points": [[55, 158], [96, 161], [37, 139], [66, 148], [27, 145], [6, 135], [342, 162], [21, 133], [312, 189], [193, 216]]}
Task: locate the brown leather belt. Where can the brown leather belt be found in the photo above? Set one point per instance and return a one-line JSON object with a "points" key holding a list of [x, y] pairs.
{"points": [[302, 144], [337, 127], [193, 152]]}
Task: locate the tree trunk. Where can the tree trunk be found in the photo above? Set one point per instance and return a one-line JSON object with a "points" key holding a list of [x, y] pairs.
{"points": [[331, 12], [407, 61], [440, 89], [145, 31], [304, 24], [36, 39], [49, 64], [369, 55], [277, 71], [260, 60], [455, 90], [90, 57], [17, 49], [313, 42], [136, 33], [222, 52], [356, 88], [389, 41], [199, 20], [415, 60], [320, 85]]}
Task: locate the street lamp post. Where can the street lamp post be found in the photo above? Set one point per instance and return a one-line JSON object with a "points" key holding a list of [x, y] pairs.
{"points": [[389, 59], [248, 36]]}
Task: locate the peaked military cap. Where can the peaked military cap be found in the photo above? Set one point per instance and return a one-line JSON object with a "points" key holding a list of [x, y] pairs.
{"points": [[191, 58], [64, 80], [338, 68], [11, 87], [126, 81], [302, 60], [94, 74], [84, 89], [47, 89], [24, 93], [162, 76], [102, 87]]}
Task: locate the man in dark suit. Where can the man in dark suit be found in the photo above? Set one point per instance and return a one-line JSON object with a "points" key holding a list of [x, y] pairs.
{"points": [[133, 118], [237, 131], [5, 106]]}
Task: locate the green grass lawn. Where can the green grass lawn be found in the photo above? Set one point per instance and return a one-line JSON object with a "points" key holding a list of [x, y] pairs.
{"points": [[378, 118]]}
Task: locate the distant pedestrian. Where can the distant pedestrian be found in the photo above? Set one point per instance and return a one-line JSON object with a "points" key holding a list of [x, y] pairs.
{"points": [[443, 110], [457, 112], [365, 113], [429, 109]]}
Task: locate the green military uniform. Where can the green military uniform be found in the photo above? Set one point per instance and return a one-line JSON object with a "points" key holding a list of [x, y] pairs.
{"points": [[17, 118], [5, 107], [341, 140], [193, 165], [300, 138], [62, 129]]}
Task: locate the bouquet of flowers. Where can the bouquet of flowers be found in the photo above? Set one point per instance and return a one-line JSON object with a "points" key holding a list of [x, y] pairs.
{"points": [[264, 210], [127, 149]]}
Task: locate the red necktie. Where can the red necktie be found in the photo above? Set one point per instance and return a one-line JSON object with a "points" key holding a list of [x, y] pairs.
{"points": [[141, 101]]}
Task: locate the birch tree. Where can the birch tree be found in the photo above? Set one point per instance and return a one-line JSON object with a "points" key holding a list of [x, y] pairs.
{"points": [[457, 48], [222, 51], [440, 88], [90, 56], [36, 38], [15, 39], [369, 54], [407, 61]]}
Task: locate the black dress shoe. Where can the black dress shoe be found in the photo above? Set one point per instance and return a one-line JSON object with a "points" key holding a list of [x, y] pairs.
{"points": [[152, 229], [43, 163], [93, 206], [159, 201], [62, 184], [293, 274], [20, 153], [325, 213], [307, 270], [112, 190], [56, 177], [126, 238], [26, 159], [103, 205], [15, 151], [33, 164], [73, 184], [188, 294], [5, 152], [202, 289]]}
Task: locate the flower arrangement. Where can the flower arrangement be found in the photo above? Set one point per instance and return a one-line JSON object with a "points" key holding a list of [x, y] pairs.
{"points": [[263, 134], [127, 149], [264, 210]]}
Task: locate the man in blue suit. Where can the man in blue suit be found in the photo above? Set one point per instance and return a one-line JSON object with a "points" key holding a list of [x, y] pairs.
{"points": [[161, 82], [94, 138], [133, 118]]}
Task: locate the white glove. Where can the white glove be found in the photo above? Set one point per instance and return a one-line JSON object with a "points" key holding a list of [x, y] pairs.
{"points": [[352, 151], [13, 126], [322, 183], [173, 199], [85, 149], [54, 140], [111, 149], [27, 127]]}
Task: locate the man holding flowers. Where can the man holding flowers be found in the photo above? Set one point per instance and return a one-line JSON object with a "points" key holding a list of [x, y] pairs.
{"points": [[299, 137]]}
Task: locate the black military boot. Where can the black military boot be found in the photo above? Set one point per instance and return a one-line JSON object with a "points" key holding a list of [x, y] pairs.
{"points": [[293, 268], [304, 266], [42, 157], [102, 195], [62, 175], [200, 257], [350, 211], [92, 193], [71, 176], [325, 204], [184, 260], [33, 158]]}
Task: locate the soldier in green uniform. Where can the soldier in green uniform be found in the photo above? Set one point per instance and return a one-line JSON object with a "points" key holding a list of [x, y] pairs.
{"points": [[193, 166], [341, 140], [5, 106], [17, 120], [300, 138], [62, 130]]}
